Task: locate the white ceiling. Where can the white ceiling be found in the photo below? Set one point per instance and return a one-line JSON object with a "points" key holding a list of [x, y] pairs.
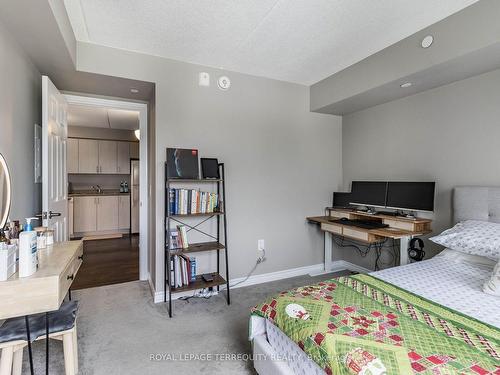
{"points": [[96, 117], [299, 41]]}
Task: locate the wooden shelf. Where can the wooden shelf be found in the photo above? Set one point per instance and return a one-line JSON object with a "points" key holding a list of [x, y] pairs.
{"points": [[193, 180], [195, 215], [198, 247], [200, 283]]}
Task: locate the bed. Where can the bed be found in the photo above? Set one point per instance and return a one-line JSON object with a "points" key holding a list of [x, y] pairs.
{"points": [[436, 308]]}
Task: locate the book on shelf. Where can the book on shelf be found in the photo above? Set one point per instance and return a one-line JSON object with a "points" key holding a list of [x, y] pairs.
{"points": [[182, 270], [174, 239], [183, 241], [191, 201]]}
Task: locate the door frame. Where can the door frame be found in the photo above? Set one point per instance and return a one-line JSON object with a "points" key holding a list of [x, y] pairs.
{"points": [[142, 108]]}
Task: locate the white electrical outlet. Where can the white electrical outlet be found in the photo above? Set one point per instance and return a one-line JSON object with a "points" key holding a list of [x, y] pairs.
{"points": [[261, 245]]}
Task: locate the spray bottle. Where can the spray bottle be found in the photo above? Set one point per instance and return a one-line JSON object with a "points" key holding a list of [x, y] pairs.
{"points": [[28, 257]]}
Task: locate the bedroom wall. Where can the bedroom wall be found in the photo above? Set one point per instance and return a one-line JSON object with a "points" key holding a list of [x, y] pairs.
{"points": [[20, 109], [449, 135], [282, 162]]}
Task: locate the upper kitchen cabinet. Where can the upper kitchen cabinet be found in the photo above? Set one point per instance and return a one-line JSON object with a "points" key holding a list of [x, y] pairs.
{"points": [[88, 156], [108, 157], [72, 155], [123, 164]]}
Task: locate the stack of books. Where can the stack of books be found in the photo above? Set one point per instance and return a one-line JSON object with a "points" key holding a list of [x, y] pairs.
{"points": [[191, 201], [182, 270]]}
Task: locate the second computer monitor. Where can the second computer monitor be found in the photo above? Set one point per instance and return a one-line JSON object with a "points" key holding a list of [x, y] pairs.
{"points": [[369, 193]]}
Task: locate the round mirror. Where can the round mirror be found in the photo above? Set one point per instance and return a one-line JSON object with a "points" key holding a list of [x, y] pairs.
{"points": [[4, 191]]}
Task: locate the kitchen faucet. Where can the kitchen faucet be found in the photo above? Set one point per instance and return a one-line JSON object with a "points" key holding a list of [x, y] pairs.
{"points": [[97, 188]]}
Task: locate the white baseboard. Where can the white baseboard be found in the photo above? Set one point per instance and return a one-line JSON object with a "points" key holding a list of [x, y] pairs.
{"points": [[315, 269]]}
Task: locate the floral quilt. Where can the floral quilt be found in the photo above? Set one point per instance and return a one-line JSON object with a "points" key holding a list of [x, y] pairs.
{"points": [[363, 325]]}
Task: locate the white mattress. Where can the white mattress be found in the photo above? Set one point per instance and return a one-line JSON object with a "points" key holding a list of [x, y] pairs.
{"points": [[452, 284]]}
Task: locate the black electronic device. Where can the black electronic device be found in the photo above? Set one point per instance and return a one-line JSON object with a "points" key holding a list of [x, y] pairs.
{"points": [[369, 193], [417, 196], [365, 224], [207, 277], [416, 251], [210, 168], [341, 200]]}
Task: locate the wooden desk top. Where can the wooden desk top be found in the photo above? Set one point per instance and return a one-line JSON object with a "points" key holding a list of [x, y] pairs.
{"points": [[375, 234], [45, 289]]}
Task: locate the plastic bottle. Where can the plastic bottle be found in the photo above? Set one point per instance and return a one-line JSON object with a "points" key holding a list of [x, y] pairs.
{"points": [[28, 256]]}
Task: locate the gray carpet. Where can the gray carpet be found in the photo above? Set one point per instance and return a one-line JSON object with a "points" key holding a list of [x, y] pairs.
{"points": [[120, 328]]}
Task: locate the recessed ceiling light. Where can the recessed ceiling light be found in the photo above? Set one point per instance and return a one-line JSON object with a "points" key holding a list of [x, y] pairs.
{"points": [[427, 41], [134, 91], [406, 84]]}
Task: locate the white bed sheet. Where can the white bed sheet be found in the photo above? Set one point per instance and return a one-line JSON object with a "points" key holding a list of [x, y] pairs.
{"points": [[452, 284]]}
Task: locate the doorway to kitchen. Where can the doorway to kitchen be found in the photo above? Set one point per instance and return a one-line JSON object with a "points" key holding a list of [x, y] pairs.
{"points": [[107, 188]]}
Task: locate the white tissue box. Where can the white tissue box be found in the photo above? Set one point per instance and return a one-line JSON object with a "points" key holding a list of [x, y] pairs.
{"points": [[8, 261]]}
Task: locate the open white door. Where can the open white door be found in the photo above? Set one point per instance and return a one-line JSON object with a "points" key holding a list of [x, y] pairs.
{"points": [[54, 177]]}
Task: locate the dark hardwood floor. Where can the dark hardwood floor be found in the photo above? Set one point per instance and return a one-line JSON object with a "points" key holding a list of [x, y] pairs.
{"points": [[108, 262]]}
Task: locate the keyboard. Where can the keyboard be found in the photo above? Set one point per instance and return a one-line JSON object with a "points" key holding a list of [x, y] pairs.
{"points": [[365, 224]]}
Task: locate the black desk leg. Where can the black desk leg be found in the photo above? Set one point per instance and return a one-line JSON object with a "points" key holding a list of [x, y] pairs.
{"points": [[30, 353], [47, 343], [69, 294]]}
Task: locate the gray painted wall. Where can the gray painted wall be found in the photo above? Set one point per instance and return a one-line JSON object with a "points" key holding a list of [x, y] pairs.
{"points": [[282, 161], [20, 109], [449, 134]]}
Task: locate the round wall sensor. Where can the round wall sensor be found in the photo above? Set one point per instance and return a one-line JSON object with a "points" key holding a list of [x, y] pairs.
{"points": [[427, 41], [224, 83], [406, 84]]}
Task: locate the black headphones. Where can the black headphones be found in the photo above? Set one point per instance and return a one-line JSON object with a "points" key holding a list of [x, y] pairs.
{"points": [[416, 253]]}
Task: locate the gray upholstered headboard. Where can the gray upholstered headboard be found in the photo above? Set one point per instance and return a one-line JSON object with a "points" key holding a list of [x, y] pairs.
{"points": [[476, 203]]}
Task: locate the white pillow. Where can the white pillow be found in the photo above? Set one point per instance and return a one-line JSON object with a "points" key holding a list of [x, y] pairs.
{"points": [[460, 257], [472, 237], [492, 285]]}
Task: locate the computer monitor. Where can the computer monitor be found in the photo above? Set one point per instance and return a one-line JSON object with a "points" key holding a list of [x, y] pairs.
{"points": [[341, 200], [369, 193], [416, 196]]}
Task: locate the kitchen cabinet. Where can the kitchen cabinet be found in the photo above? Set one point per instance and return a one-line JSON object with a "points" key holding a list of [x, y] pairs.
{"points": [[72, 155], [134, 150], [88, 156], [123, 159], [107, 213], [124, 212], [107, 157], [84, 214]]}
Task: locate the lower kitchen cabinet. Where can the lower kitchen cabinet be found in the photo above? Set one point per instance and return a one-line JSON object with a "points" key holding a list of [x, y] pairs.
{"points": [[84, 214], [107, 213], [103, 213]]}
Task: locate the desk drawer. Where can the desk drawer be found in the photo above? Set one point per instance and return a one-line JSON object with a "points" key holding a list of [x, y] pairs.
{"points": [[337, 229], [67, 277], [357, 234]]}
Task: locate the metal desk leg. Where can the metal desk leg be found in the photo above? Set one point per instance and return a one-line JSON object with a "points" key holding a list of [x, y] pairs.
{"points": [[404, 244], [327, 248], [30, 353], [47, 343]]}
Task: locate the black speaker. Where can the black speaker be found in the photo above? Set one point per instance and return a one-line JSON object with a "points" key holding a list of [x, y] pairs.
{"points": [[416, 251]]}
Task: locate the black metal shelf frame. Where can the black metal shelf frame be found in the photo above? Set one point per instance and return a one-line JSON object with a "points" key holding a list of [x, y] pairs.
{"points": [[169, 217]]}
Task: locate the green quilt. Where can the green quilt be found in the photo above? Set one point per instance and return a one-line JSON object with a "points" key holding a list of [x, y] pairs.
{"points": [[407, 333]]}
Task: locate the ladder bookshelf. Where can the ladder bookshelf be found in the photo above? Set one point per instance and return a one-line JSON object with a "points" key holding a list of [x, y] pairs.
{"points": [[217, 243]]}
